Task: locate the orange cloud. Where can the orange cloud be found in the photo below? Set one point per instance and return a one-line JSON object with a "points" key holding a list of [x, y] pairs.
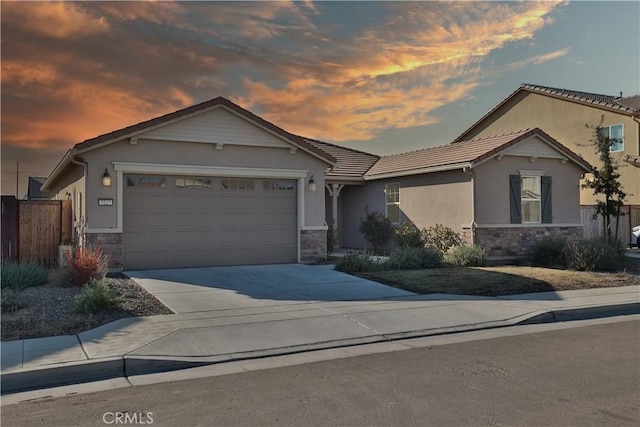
{"points": [[399, 73], [54, 19]]}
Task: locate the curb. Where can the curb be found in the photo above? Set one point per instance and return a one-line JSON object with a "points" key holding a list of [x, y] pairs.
{"points": [[70, 373]]}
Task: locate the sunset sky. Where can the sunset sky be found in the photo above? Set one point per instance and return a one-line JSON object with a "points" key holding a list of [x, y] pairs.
{"points": [[378, 76]]}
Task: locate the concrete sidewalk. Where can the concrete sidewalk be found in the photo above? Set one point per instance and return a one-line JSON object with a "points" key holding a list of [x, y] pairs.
{"points": [[160, 343]]}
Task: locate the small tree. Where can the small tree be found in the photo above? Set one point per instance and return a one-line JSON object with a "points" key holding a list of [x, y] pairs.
{"points": [[605, 180], [376, 228]]}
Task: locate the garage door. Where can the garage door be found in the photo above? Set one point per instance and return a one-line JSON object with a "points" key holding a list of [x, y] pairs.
{"points": [[174, 221]]}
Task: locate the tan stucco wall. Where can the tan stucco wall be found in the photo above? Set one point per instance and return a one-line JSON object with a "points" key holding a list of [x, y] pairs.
{"points": [[565, 121], [492, 188], [200, 154], [426, 200], [73, 183]]}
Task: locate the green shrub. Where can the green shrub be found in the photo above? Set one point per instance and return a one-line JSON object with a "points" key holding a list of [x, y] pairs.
{"points": [[593, 255], [413, 259], [18, 276], [96, 296], [466, 256], [11, 301], [85, 264], [376, 228], [407, 235], [357, 262], [549, 251], [441, 238]]}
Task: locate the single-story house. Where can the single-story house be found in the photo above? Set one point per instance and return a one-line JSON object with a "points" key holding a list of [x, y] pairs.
{"points": [[214, 184]]}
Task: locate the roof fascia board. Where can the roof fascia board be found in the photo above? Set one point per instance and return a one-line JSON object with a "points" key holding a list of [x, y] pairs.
{"points": [[421, 171], [194, 114], [62, 164], [543, 139], [578, 101]]}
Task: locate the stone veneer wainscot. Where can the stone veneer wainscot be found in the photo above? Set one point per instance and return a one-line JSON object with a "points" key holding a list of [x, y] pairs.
{"points": [[111, 244], [313, 245], [518, 241]]}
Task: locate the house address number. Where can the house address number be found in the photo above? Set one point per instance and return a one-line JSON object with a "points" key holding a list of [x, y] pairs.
{"points": [[105, 202]]}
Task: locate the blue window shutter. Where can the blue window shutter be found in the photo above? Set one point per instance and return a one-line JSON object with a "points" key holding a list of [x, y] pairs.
{"points": [[514, 199], [545, 190]]}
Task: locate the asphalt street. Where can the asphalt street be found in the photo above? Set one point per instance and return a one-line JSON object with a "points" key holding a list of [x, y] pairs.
{"points": [[588, 375]]}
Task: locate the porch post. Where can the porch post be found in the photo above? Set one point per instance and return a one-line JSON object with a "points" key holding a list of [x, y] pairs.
{"points": [[335, 192]]}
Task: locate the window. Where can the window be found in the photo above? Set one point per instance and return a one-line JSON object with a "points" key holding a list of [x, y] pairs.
{"points": [[392, 199], [530, 198], [146, 181], [274, 185], [193, 183], [616, 134], [236, 184]]}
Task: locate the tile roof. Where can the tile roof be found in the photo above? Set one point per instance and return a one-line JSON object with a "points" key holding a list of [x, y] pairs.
{"points": [[219, 101], [460, 153], [350, 162], [631, 101], [630, 105], [607, 101]]}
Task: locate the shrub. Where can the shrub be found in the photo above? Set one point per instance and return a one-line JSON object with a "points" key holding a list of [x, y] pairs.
{"points": [[549, 251], [18, 276], [441, 238], [84, 264], [407, 235], [466, 256], [10, 301], [96, 296], [592, 255], [357, 262], [413, 259], [333, 238], [376, 228]]}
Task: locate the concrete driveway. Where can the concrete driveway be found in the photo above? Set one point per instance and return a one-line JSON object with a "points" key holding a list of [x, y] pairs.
{"points": [[189, 290]]}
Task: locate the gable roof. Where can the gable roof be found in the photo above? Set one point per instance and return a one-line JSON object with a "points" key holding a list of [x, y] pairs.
{"points": [[196, 109], [460, 154], [629, 106], [350, 163], [34, 188]]}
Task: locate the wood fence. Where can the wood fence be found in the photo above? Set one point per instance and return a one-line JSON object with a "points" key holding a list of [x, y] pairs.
{"points": [[32, 230], [594, 227]]}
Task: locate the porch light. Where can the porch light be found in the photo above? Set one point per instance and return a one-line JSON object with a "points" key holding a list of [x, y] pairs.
{"points": [[106, 179], [312, 185]]}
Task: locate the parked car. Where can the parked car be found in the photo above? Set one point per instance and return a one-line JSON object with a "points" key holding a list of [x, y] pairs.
{"points": [[635, 237]]}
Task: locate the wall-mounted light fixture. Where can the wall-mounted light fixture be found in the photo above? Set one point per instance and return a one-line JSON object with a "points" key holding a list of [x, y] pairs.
{"points": [[106, 179], [312, 185]]}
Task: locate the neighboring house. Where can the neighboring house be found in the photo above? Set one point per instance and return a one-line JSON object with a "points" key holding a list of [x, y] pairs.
{"points": [[564, 114], [34, 189], [214, 184]]}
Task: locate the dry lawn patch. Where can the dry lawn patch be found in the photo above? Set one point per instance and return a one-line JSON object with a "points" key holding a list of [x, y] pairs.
{"points": [[497, 281]]}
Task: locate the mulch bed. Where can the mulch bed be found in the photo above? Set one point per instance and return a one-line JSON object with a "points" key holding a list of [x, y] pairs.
{"points": [[50, 310]]}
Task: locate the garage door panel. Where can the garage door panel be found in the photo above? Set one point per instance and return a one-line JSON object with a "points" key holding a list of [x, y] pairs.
{"points": [[189, 227]]}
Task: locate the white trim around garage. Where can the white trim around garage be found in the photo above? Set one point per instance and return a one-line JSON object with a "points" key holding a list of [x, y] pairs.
{"points": [[171, 169]]}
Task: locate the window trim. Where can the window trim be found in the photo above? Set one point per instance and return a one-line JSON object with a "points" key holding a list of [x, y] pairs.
{"points": [[621, 141], [539, 199], [387, 203]]}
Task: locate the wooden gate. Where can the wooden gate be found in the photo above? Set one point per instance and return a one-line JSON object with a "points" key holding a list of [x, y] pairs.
{"points": [[594, 227], [35, 229]]}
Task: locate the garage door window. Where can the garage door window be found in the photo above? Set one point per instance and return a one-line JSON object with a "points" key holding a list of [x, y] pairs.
{"points": [[146, 181], [193, 183], [237, 184], [273, 185]]}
